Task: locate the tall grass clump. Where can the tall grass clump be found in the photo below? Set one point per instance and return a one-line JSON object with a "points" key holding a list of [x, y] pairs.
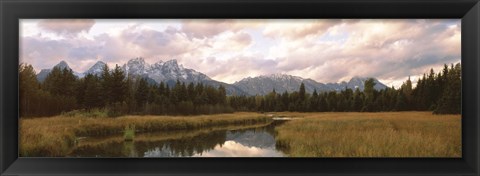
{"points": [[129, 133]]}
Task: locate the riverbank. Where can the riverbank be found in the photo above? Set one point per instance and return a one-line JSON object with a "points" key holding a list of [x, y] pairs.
{"points": [[54, 136], [384, 134]]}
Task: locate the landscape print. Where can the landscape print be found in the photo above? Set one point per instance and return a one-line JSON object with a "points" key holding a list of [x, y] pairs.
{"points": [[240, 88]]}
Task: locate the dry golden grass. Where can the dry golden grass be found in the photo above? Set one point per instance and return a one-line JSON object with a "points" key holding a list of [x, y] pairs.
{"points": [[389, 134], [386, 134], [54, 136]]}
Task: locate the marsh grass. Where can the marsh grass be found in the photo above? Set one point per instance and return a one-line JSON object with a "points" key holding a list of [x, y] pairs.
{"points": [[55, 136], [385, 134], [389, 134]]}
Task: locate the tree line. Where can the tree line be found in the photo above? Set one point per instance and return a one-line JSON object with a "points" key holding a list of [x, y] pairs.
{"points": [[118, 94], [115, 92], [440, 93]]}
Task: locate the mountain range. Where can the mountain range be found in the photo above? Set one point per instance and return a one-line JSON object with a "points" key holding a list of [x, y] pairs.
{"points": [[170, 71]]}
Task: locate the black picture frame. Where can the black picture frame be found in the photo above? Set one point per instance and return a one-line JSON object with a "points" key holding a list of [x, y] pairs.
{"points": [[13, 10]]}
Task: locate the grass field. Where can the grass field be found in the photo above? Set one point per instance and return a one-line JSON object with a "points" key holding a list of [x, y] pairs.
{"points": [[54, 136], [389, 134], [335, 134]]}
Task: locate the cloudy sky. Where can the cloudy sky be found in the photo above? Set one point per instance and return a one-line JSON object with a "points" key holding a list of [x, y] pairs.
{"points": [[229, 50]]}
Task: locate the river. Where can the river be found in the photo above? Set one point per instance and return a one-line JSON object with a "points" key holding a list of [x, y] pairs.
{"points": [[233, 141]]}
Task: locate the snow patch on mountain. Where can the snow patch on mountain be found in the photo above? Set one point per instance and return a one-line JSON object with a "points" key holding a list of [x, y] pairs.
{"points": [[96, 69], [264, 84], [163, 71], [42, 75]]}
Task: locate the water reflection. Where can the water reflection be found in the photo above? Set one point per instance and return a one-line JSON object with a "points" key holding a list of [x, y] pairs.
{"points": [[256, 141], [235, 149]]}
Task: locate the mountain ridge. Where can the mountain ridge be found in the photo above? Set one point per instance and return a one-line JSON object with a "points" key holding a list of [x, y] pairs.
{"points": [[170, 71], [282, 82], [42, 75]]}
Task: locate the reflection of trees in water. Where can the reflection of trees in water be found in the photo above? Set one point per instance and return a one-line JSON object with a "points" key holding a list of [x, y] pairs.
{"points": [[257, 137], [261, 137], [107, 149], [129, 149], [270, 128], [187, 146], [184, 145]]}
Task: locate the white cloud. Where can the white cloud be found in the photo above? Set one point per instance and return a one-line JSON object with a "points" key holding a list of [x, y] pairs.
{"points": [[229, 50]]}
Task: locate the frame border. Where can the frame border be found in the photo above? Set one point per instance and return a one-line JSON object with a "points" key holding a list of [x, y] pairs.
{"points": [[13, 10]]}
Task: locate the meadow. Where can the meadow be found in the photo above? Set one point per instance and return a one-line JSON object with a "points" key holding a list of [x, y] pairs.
{"points": [[326, 134], [385, 134]]}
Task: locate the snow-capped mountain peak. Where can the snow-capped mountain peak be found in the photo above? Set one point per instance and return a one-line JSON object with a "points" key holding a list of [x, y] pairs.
{"points": [[96, 69], [264, 84], [99, 64], [42, 75], [157, 64], [169, 71], [171, 63], [282, 76], [357, 82], [136, 66]]}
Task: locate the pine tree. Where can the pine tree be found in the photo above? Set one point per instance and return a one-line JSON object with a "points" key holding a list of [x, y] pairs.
{"points": [[53, 81], [314, 101], [28, 89], [92, 98], [141, 93], [161, 88], [406, 90], [118, 86], [357, 101], [369, 95], [432, 90], [401, 103], [191, 92], [105, 81], [301, 92], [322, 104], [450, 102], [130, 95], [69, 82], [222, 95], [183, 94]]}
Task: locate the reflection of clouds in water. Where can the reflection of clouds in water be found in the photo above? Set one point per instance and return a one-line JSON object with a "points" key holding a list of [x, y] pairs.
{"points": [[234, 149], [253, 142]]}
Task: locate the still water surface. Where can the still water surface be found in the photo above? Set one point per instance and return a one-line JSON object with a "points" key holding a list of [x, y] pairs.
{"points": [[239, 141]]}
